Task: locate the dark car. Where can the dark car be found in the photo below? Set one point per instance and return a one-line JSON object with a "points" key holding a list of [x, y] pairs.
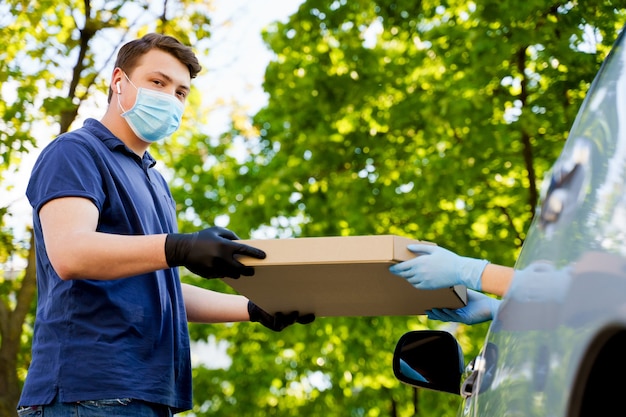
{"points": [[557, 346]]}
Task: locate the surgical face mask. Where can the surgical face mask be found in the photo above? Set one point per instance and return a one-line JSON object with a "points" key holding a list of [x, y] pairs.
{"points": [[154, 116]]}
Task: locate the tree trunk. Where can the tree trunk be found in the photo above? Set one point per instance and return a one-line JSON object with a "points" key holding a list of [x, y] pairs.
{"points": [[11, 329]]}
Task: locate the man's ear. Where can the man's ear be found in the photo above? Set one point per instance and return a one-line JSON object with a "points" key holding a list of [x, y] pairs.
{"points": [[116, 80]]}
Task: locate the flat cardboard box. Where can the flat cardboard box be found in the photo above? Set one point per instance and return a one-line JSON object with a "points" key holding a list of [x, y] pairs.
{"points": [[338, 276]]}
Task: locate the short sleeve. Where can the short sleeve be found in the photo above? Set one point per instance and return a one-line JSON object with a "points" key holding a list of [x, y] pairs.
{"points": [[65, 168]]}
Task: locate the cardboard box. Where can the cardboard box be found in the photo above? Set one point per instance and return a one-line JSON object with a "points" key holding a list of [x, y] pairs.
{"points": [[338, 276]]}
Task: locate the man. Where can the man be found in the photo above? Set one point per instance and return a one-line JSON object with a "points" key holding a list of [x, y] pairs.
{"points": [[111, 332]]}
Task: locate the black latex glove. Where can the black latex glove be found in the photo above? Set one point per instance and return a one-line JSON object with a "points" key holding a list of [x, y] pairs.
{"points": [[278, 321], [210, 253]]}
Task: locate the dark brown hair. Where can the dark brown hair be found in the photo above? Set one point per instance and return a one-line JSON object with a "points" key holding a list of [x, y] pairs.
{"points": [[130, 53]]}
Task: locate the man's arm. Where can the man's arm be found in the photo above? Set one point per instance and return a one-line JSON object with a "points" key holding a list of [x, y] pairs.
{"points": [[206, 306], [77, 251]]}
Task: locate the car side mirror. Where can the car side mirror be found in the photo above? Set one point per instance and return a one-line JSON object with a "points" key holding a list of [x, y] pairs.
{"points": [[430, 359]]}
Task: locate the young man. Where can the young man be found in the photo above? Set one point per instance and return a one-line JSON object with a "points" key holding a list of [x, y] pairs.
{"points": [[111, 332]]}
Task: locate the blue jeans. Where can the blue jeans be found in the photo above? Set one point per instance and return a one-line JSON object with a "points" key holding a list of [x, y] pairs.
{"points": [[117, 407]]}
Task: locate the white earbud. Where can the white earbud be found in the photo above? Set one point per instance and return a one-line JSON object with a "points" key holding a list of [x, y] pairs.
{"points": [[119, 91]]}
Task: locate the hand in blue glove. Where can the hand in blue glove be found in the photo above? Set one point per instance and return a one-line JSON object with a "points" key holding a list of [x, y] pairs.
{"points": [[436, 267], [479, 308]]}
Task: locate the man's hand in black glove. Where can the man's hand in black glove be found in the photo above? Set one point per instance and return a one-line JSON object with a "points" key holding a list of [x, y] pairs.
{"points": [[210, 253], [278, 321]]}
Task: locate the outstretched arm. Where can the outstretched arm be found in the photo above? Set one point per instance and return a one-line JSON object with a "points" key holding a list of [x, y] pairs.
{"points": [[496, 279], [206, 306], [435, 267]]}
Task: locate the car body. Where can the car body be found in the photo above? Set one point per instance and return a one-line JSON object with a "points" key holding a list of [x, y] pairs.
{"points": [[557, 346]]}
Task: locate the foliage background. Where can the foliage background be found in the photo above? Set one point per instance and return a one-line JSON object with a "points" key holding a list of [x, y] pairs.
{"points": [[433, 120]]}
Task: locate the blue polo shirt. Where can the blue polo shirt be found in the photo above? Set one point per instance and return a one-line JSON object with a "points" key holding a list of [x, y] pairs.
{"points": [[126, 338]]}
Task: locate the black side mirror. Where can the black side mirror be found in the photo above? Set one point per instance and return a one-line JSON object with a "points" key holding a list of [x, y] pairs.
{"points": [[431, 359]]}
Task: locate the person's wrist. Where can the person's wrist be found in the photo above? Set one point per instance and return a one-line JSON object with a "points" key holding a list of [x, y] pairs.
{"points": [[494, 306], [471, 272], [171, 242], [176, 248], [253, 312]]}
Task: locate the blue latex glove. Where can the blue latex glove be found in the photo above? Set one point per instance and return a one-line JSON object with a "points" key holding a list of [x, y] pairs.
{"points": [[479, 308], [436, 267]]}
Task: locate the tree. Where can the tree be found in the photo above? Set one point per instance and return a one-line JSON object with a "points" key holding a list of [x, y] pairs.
{"points": [[478, 97]]}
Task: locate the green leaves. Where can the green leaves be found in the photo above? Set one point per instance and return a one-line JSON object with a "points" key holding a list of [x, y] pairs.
{"points": [[434, 121], [426, 119]]}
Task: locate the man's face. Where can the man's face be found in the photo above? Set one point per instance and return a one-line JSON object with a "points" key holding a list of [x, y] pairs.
{"points": [[157, 70]]}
